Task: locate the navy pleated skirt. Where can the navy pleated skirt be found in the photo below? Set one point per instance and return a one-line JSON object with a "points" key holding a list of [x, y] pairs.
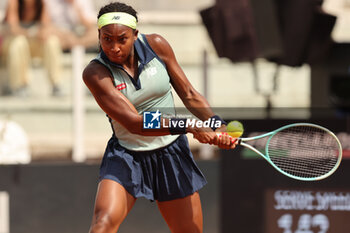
{"points": [[163, 174]]}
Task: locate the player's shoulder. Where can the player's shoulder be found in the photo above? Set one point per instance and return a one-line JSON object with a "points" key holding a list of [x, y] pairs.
{"points": [[155, 38], [159, 44], [92, 68], [95, 69]]}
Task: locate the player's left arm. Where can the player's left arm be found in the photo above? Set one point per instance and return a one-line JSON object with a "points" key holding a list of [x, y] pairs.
{"points": [[191, 98]]}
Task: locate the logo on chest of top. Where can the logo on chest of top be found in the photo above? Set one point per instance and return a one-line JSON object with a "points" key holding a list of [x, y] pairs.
{"points": [[151, 71], [121, 86]]}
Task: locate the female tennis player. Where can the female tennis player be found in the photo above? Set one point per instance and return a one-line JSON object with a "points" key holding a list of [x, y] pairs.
{"points": [[133, 74]]}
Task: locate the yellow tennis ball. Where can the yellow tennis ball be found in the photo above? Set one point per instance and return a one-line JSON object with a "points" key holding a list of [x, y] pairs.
{"points": [[235, 129]]}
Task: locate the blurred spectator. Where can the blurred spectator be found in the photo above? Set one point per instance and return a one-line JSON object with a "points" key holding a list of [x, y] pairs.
{"points": [[27, 35], [74, 21], [2, 16]]}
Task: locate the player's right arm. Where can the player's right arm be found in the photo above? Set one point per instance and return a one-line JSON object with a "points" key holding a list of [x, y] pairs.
{"points": [[99, 81]]}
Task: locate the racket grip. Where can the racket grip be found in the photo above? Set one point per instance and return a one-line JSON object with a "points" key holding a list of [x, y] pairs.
{"points": [[233, 140]]}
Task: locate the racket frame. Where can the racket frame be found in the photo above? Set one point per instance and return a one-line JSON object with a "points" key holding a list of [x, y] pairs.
{"points": [[241, 141]]}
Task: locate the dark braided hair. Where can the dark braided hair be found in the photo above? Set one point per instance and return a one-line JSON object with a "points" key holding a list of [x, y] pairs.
{"points": [[117, 7]]}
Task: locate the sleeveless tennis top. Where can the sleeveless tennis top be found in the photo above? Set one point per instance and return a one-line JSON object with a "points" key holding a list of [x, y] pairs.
{"points": [[150, 91]]}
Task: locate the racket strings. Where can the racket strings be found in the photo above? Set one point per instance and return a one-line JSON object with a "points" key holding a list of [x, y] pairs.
{"points": [[304, 151]]}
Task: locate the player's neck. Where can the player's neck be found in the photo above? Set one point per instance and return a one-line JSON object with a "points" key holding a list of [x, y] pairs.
{"points": [[131, 64]]}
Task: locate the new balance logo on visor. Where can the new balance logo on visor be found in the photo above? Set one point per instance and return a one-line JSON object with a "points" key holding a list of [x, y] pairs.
{"points": [[116, 17], [121, 86]]}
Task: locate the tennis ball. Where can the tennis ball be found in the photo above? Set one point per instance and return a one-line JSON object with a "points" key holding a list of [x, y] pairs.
{"points": [[235, 129]]}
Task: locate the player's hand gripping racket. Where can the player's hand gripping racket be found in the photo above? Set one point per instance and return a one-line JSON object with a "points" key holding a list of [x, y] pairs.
{"points": [[302, 151]]}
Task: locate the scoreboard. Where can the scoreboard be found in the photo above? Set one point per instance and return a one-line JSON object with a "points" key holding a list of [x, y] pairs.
{"points": [[306, 211]]}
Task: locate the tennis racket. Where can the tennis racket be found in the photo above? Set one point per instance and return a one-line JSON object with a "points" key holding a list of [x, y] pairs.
{"points": [[301, 151]]}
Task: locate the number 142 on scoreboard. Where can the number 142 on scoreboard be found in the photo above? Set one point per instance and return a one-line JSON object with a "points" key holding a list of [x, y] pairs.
{"points": [[306, 223]]}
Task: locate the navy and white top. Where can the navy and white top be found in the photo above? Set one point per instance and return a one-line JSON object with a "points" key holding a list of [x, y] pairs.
{"points": [[149, 91]]}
